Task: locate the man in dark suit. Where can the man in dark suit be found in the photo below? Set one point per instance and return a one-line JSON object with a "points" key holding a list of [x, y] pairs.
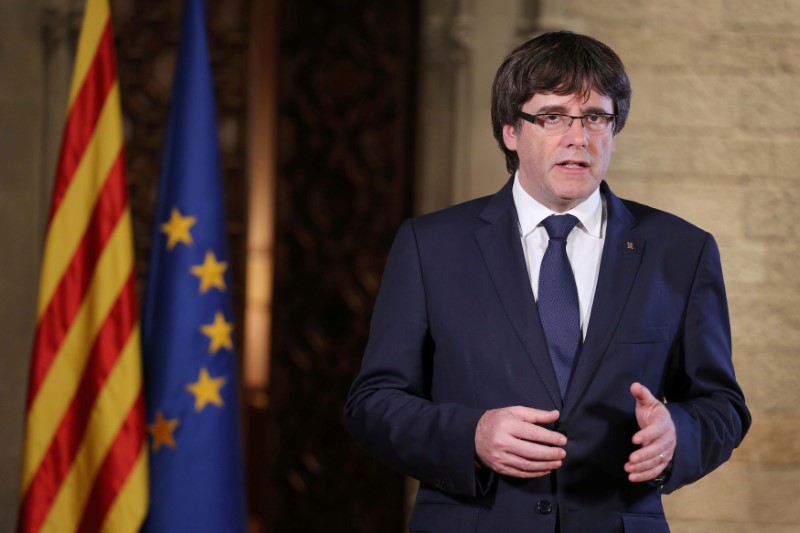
{"points": [[550, 358]]}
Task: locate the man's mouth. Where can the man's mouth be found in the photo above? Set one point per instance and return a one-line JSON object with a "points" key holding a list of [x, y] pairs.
{"points": [[573, 163]]}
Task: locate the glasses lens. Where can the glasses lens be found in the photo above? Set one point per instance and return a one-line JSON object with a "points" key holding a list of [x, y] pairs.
{"points": [[596, 123], [553, 123]]}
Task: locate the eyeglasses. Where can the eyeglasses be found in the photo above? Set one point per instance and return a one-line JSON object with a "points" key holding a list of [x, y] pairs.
{"points": [[558, 123]]}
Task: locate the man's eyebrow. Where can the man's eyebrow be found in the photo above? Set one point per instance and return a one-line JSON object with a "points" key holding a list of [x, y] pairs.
{"points": [[564, 111], [597, 110], [552, 109]]}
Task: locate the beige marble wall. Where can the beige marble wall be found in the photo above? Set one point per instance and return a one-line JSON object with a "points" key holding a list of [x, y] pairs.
{"points": [[713, 136]]}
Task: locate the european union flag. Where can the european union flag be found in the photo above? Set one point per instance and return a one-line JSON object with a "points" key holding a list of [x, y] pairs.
{"points": [[196, 477]]}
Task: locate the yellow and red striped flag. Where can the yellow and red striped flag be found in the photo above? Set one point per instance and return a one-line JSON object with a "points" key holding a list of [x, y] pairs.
{"points": [[85, 464]]}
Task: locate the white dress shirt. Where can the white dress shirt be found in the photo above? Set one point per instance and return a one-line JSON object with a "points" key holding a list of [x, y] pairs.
{"points": [[584, 243]]}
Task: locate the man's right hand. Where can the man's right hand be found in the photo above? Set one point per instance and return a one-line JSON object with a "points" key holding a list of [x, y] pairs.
{"points": [[512, 442]]}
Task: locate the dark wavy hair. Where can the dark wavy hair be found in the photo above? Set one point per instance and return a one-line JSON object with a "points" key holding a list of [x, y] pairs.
{"points": [[560, 63]]}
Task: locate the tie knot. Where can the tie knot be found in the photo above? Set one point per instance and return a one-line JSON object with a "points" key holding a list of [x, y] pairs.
{"points": [[559, 226]]}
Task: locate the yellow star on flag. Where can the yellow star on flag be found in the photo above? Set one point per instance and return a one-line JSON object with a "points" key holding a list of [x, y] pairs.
{"points": [[206, 390], [210, 273], [177, 229], [161, 431], [219, 333]]}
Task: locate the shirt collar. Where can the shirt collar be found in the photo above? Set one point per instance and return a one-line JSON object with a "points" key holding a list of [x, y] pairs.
{"points": [[531, 213]]}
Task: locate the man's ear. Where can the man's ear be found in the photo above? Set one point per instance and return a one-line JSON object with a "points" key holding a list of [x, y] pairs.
{"points": [[510, 136]]}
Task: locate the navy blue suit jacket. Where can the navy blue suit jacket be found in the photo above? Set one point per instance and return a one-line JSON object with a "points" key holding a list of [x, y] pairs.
{"points": [[455, 332]]}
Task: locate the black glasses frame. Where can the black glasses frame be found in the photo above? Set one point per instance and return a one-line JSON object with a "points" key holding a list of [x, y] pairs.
{"points": [[532, 118]]}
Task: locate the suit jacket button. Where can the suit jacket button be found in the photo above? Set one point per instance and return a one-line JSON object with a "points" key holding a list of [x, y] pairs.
{"points": [[544, 506], [439, 484]]}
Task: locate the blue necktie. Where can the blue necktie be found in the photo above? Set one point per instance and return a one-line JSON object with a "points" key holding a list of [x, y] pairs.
{"points": [[559, 309]]}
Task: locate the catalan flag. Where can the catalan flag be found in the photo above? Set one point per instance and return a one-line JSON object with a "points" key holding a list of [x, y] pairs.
{"points": [[196, 475], [85, 457]]}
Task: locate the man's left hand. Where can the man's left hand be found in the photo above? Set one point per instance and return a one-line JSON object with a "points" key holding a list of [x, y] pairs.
{"points": [[656, 436]]}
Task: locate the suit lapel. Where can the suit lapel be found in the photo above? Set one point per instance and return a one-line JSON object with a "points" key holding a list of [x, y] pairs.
{"points": [[622, 254], [500, 245]]}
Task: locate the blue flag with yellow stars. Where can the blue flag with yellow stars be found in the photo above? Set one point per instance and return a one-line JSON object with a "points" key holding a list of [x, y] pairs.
{"points": [[196, 475]]}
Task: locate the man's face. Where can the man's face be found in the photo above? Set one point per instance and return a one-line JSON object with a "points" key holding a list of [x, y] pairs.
{"points": [[560, 171]]}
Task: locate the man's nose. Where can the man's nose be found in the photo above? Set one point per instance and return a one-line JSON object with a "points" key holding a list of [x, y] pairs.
{"points": [[576, 134]]}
